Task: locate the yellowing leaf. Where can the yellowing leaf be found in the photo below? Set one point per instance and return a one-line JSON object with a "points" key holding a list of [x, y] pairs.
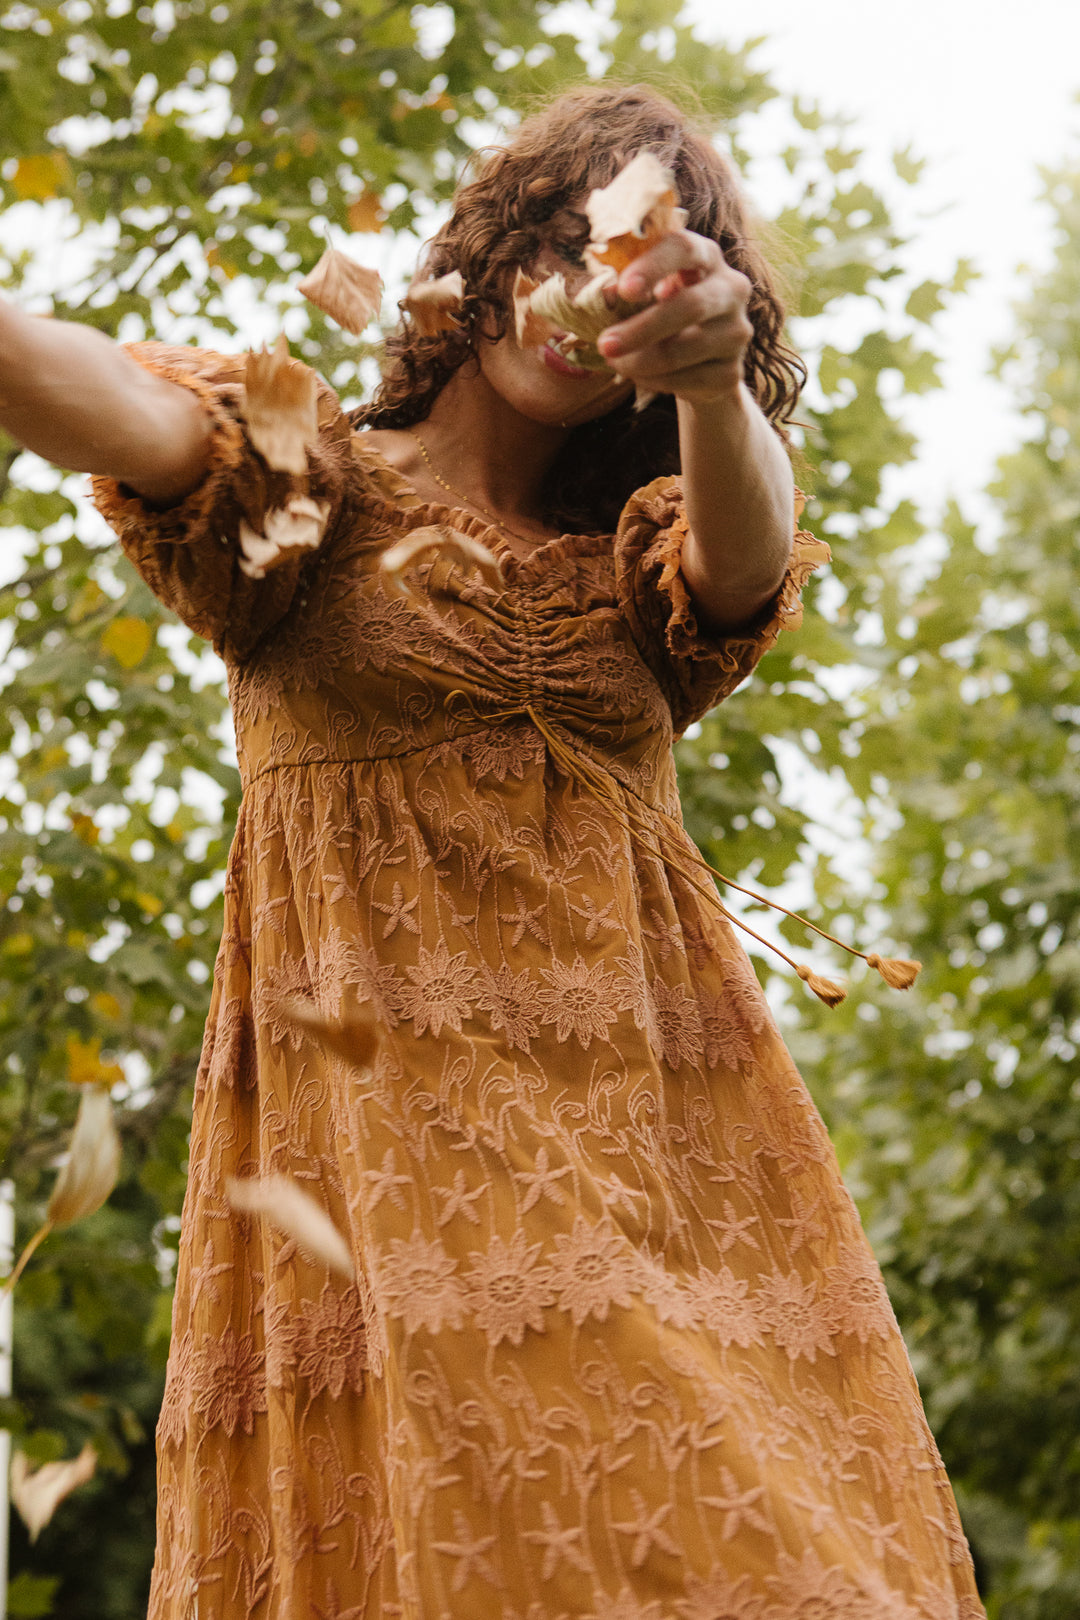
{"points": [[85, 827], [128, 640], [53, 758], [39, 177], [84, 1064], [93, 1164], [149, 902], [106, 1005], [367, 212], [286, 1206], [77, 939], [282, 159], [37, 1493], [432, 305], [174, 832], [308, 143], [279, 406], [18, 944], [346, 291]]}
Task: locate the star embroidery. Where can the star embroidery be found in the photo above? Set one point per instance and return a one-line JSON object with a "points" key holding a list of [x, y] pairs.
{"points": [[384, 1183], [596, 919], [458, 1201], [202, 1276], [557, 1543], [398, 912], [541, 1182], [468, 1553], [524, 920], [646, 1531], [736, 1507]]}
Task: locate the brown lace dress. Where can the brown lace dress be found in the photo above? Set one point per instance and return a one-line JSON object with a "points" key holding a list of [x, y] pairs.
{"points": [[618, 1348]]}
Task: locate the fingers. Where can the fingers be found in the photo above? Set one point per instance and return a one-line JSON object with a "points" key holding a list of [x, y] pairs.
{"points": [[681, 302], [677, 250]]}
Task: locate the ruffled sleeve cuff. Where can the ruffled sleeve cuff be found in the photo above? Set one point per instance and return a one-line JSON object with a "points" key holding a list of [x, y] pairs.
{"points": [[227, 558], [696, 668]]}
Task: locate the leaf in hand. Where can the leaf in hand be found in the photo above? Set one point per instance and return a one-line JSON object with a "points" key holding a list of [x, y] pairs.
{"points": [[633, 212], [346, 291], [294, 1213], [37, 1493], [279, 407], [432, 305]]}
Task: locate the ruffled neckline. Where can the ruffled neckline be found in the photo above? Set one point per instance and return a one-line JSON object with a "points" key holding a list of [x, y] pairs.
{"points": [[393, 493]]}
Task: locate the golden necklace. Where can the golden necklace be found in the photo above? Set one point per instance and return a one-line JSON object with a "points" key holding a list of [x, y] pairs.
{"points": [[496, 523]]}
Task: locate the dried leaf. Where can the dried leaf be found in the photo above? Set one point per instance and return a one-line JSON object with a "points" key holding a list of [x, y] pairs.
{"points": [[634, 211], [355, 1039], [346, 291], [93, 1164], [37, 1493], [406, 553], [293, 1212], [367, 213], [531, 330], [296, 526], [432, 305], [279, 407]]}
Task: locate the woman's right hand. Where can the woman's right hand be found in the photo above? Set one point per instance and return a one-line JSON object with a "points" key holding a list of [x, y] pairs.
{"points": [[71, 395]]}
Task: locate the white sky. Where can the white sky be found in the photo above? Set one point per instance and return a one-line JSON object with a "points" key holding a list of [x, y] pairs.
{"points": [[984, 89]]}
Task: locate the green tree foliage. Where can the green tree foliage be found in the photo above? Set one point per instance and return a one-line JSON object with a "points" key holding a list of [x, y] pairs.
{"points": [[194, 154], [957, 1109]]}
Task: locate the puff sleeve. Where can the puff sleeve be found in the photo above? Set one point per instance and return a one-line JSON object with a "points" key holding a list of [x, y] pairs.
{"points": [[696, 670], [192, 553]]}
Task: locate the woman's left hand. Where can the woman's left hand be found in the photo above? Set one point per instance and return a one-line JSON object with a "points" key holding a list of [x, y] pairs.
{"points": [[691, 338]]}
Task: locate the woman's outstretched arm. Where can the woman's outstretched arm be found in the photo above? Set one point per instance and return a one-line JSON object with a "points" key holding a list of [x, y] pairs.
{"points": [[691, 341], [73, 396]]}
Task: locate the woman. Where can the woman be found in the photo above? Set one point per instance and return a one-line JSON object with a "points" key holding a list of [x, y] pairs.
{"points": [[617, 1346]]}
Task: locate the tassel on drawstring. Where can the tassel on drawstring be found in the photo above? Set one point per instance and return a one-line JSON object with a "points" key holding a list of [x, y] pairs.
{"points": [[898, 973], [826, 990]]}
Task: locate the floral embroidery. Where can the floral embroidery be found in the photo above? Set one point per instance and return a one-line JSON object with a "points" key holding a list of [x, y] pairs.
{"points": [[507, 1290], [788, 1308], [418, 1283], [513, 1004], [442, 993], [581, 1001], [726, 1308], [329, 1343], [229, 1382], [591, 1271]]}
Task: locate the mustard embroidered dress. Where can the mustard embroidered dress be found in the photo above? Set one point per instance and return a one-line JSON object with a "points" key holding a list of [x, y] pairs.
{"points": [[618, 1348]]}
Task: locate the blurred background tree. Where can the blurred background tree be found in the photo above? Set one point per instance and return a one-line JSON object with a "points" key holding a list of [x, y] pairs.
{"points": [[189, 159]]}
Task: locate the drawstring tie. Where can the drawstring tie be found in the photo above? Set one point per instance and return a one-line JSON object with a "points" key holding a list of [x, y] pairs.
{"points": [[897, 972]]}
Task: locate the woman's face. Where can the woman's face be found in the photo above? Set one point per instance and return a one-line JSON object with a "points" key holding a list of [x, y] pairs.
{"points": [[538, 382]]}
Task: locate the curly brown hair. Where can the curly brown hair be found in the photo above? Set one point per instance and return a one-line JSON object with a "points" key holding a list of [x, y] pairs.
{"points": [[579, 141]]}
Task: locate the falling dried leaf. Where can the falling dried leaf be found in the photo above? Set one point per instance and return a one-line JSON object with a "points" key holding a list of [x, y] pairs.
{"points": [[293, 1212], [355, 1039], [37, 1493], [432, 305], [279, 407], [346, 291], [296, 526], [93, 1163], [406, 553], [634, 211]]}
